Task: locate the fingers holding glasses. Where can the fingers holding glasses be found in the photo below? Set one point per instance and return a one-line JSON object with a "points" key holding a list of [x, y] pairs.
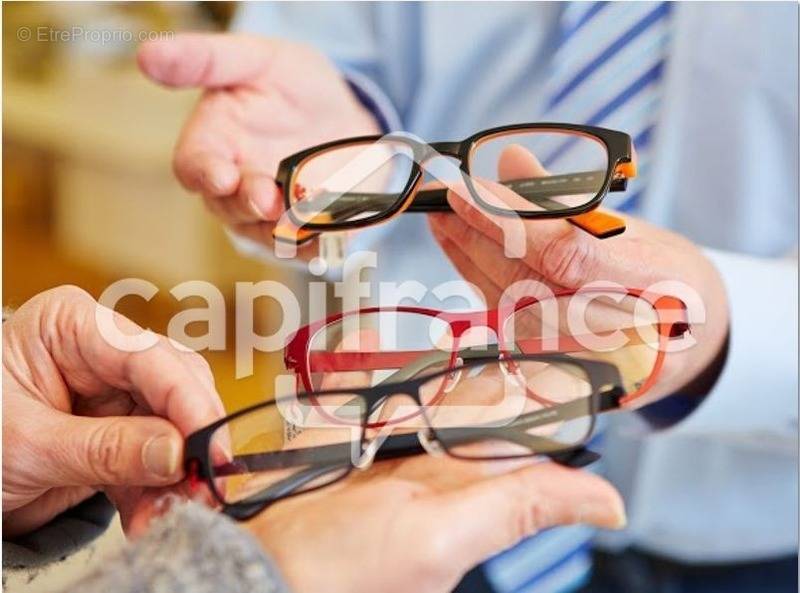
{"points": [[470, 249], [248, 197]]}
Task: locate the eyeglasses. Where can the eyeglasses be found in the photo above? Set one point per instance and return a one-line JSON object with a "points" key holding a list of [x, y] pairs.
{"points": [[484, 408], [628, 328], [544, 170]]}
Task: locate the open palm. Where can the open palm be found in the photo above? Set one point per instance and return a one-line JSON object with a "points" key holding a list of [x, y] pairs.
{"points": [[420, 523]]}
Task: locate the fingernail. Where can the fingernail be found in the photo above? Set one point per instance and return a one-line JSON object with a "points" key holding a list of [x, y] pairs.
{"points": [[255, 208], [222, 180], [598, 514], [161, 456], [621, 518]]}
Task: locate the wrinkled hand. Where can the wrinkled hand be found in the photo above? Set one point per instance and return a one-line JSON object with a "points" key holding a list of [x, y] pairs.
{"points": [[81, 416], [564, 257], [421, 523], [263, 100]]}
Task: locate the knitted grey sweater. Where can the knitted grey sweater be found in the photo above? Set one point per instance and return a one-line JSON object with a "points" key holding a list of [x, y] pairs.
{"points": [[189, 550]]}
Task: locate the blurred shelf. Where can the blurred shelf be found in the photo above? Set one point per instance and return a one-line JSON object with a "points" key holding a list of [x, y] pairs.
{"points": [[104, 115], [116, 205], [112, 208]]}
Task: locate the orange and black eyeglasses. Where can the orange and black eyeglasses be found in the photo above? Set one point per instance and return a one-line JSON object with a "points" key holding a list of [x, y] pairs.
{"points": [[533, 171]]}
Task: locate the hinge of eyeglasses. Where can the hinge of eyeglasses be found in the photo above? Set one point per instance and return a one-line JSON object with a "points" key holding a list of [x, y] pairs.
{"points": [[193, 474], [619, 184], [429, 442], [625, 169], [680, 329], [610, 396]]}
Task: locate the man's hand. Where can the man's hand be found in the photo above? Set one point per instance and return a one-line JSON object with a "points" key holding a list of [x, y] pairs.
{"points": [[263, 100], [421, 523], [80, 415], [564, 257]]}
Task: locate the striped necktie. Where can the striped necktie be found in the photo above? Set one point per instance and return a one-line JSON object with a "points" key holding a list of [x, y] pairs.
{"points": [[607, 71]]}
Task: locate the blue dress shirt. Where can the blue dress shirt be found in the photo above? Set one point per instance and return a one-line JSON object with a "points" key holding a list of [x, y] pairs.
{"points": [[722, 484]]}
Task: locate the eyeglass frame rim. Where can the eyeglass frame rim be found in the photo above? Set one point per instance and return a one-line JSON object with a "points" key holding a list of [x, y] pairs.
{"points": [[197, 446], [618, 145], [297, 349]]}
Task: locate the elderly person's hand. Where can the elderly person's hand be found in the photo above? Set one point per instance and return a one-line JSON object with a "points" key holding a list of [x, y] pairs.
{"points": [[564, 257], [80, 415], [421, 523], [263, 100]]}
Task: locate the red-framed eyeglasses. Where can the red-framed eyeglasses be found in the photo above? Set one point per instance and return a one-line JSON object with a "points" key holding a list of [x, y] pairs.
{"points": [[629, 328]]}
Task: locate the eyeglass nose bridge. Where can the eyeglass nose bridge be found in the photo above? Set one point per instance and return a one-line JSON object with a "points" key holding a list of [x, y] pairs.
{"points": [[367, 456], [373, 445], [431, 445]]}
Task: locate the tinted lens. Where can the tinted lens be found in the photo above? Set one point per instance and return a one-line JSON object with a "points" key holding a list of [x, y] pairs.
{"points": [[281, 449], [511, 408], [547, 170], [352, 183], [609, 327]]}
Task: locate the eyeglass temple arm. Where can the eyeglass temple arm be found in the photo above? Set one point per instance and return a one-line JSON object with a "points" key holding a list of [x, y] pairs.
{"points": [[403, 445], [537, 190], [576, 457], [321, 361]]}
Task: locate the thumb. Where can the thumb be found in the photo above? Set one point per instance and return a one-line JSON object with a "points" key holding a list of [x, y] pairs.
{"points": [[115, 450], [517, 162], [562, 254], [494, 514], [204, 59]]}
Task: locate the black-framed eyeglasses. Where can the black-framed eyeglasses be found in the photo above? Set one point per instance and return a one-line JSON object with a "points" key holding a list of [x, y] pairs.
{"points": [[484, 408], [535, 170]]}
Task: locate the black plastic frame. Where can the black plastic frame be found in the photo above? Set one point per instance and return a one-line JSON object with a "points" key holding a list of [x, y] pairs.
{"points": [[618, 146], [606, 393]]}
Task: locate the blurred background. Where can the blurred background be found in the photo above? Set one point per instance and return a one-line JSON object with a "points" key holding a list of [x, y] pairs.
{"points": [[89, 196], [88, 192]]}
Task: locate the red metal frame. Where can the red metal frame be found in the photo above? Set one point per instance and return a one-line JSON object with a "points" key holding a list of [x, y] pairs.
{"points": [[298, 359]]}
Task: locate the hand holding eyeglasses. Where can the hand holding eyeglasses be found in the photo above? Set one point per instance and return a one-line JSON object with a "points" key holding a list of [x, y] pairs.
{"points": [[564, 258], [267, 99], [80, 415]]}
